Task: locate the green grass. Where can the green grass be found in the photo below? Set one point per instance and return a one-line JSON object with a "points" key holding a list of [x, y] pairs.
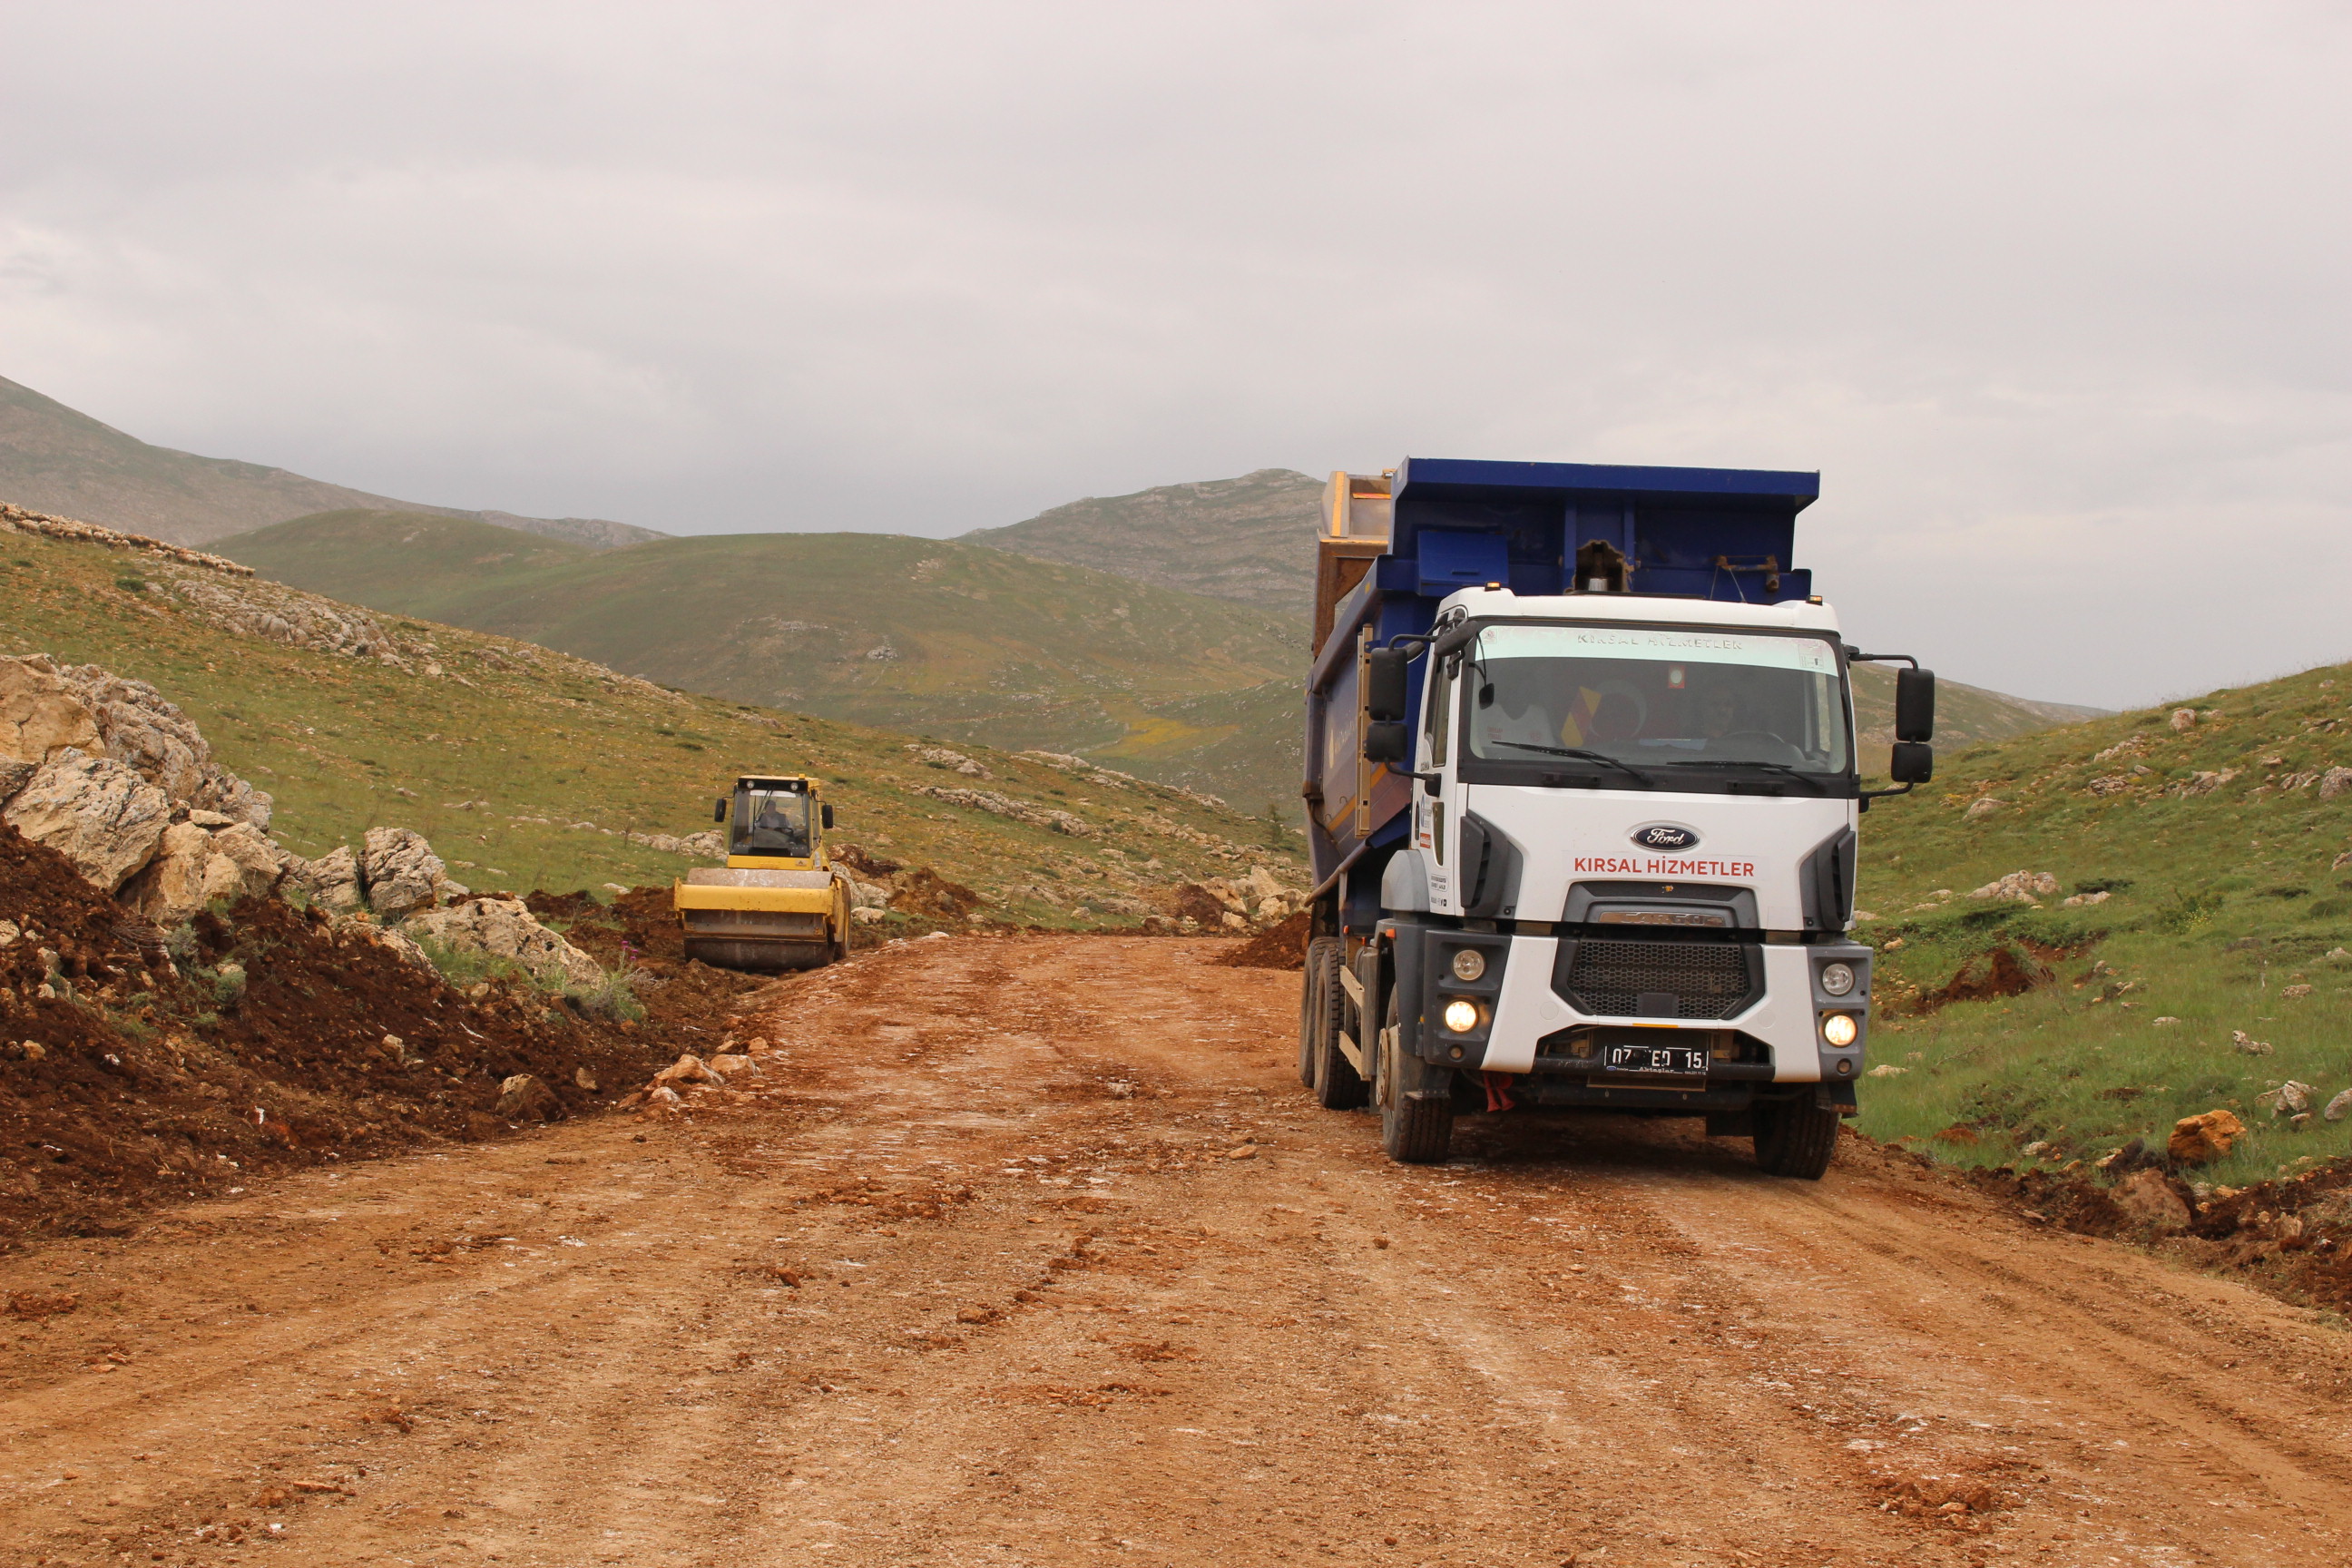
{"points": [[939, 638], [2219, 901], [337, 739]]}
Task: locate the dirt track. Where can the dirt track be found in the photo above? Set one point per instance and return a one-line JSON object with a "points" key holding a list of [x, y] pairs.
{"points": [[1042, 1314]]}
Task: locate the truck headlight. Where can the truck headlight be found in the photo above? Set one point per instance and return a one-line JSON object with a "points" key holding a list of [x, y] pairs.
{"points": [[1461, 1015], [1839, 1029], [1837, 979], [1469, 964]]}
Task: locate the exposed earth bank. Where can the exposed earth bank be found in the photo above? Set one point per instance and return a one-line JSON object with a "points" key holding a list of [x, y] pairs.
{"points": [[1030, 1249]]}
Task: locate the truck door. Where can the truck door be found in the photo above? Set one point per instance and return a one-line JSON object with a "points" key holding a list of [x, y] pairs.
{"points": [[1431, 826]]}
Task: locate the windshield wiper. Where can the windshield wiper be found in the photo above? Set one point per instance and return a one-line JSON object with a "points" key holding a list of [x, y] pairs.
{"points": [[1582, 756], [1783, 768]]}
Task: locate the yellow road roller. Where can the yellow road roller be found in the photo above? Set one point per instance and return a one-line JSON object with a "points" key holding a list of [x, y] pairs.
{"points": [[778, 903]]}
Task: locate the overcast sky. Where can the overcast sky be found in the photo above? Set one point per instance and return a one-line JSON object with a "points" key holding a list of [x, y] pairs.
{"points": [[2054, 295]]}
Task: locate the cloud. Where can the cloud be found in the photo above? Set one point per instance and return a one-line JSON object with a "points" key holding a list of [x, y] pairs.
{"points": [[2051, 295]]}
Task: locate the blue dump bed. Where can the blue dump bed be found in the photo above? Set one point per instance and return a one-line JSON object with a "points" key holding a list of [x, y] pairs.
{"points": [[1395, 545]]}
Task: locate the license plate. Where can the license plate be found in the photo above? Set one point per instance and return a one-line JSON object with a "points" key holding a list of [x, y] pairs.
{"points": [[1655, 1061]]}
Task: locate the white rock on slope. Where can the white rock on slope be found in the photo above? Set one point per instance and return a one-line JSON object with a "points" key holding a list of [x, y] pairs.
{"points": [[504, 928], [97, 813]]}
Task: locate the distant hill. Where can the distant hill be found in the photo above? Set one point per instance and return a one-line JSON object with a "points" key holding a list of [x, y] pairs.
{"points": [[1965, 715], [528, 769], [54, 459], [938, 637], [1251, 539]]}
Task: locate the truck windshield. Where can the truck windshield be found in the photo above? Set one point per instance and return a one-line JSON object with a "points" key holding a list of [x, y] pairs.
{"points": [[772, 822], [1678, 702]]}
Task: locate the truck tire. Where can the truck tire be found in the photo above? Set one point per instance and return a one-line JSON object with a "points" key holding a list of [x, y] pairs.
{"points": [[1314, 1017], [1795, 1138], [1414, 1131], [1336, 1083]]}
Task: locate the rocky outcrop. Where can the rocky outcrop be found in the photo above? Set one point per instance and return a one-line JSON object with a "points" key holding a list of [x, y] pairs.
{"points": [[998, 805], [399, 873], [503, 928], [47, 708], [2019, 885], [97, 813], [208, 857]]}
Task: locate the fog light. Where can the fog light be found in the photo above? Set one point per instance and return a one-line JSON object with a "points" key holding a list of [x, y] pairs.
{"points": [[1469, 964], [1837, 979], [1839, 1029], [1461, 1016]]}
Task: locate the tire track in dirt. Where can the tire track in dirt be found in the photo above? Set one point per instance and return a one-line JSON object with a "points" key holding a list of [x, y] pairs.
{"points": [[1031, 1251]]}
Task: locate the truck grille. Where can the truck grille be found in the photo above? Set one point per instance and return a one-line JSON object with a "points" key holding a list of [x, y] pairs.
{"points": [[1690, 979]]}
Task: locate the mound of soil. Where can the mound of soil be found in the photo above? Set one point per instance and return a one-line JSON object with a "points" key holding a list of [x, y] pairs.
{"points": [[1278, 946], [133, 1072]]}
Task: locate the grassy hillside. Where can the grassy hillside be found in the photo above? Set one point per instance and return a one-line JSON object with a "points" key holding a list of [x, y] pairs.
{"points": [[1251, 539], [944, 639], [2229, 885], [54, 459], [1965, 715], [528, 769]]}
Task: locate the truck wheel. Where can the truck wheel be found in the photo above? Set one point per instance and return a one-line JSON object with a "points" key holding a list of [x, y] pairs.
{"points": [[1315, 987], [1795, 1138], [1414, 1131], [1337, 1085]]}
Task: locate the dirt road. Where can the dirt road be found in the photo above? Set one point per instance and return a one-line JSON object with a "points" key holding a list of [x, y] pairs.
{"points": [[1032, 1251]]}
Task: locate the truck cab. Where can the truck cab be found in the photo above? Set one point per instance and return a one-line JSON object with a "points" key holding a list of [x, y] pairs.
{"points": [[1585, 797]]}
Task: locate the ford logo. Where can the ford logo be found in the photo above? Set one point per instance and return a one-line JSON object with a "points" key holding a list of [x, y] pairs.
{"points": [[1665, 836]]}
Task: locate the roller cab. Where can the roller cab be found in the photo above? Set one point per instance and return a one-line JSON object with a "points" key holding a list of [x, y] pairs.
{"points": [[778, 903]]}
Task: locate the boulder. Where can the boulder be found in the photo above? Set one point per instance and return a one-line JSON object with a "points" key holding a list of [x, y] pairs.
{"points": [[523, 1098], [2337, 1106], [2292, 1098], [2197, 1140], [2019, 885], [97, 813], [184, 875], [400, 872], [687, 1069], [331, 880], [41, 714], [2334, 782], [2147, 1199], [2184, 719], [2245, 1045], [1981, 808], [503, 928]]}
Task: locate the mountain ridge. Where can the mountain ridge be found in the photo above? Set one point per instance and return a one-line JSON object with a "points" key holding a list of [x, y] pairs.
{"points": [[57, 460]]}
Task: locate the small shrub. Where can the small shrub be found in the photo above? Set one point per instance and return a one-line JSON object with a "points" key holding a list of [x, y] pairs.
{"points": [[616, 998]]}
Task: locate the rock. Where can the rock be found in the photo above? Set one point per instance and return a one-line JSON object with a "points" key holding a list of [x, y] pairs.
{"points": [[2184, 719], [2162, 1022], [664, 1101], [2080, 900], [2198, 1139], [400, 872], [2020, 884], [524, 1098], [687, 1069], [99, 814], [867, 895], [868, 917], [1980, 809], [41, 714], [503, 928], [1886, 1069], [2036, 1149], [2341, 863], [2146, 1198], [726, 1065], [193, 867], [2338, 1107], [2296, 990], [582, 1078], [2338, 955], [2246, 1045], [403, 948], [2334, 782], [331, 880], [2292, 1098]]}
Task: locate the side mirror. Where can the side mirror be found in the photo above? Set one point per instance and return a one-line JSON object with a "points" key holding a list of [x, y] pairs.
{"points": [[1388, 742], [1384, 684], [825, 816], [1915, 708], [719, 813], [1913, 763]]}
